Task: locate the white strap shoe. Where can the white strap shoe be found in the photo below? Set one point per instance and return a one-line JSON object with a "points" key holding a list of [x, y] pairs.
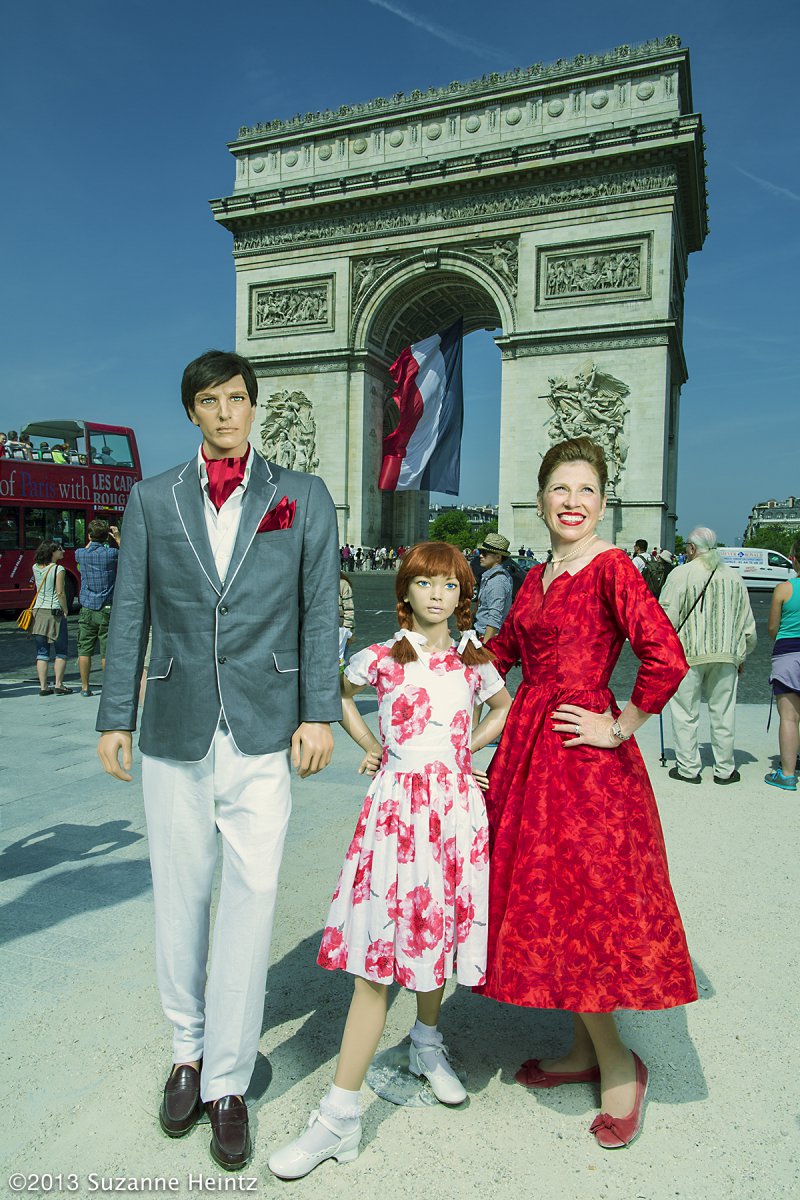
{"points": [[317, 1143], [431, 1061]]}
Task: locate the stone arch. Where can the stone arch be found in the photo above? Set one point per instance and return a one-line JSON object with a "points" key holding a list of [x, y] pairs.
{"points": [[557, 204], [413, 299]]}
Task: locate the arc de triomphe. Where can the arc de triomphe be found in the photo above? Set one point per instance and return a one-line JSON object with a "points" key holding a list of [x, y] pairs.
{"points": [[557, 205]]}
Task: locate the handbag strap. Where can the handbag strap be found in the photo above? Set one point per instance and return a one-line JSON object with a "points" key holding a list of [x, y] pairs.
{"points": [[678, 628], [41, 585]]}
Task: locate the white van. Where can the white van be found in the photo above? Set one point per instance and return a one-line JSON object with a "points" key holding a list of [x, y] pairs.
{"points": [[760, 569]]}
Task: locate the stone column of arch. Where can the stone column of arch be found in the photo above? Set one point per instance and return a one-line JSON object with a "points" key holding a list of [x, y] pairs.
{"points": [[555, 205]]}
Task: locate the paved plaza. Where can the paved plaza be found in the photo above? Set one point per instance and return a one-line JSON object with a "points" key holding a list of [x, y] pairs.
{"points": [[85, 1046]]}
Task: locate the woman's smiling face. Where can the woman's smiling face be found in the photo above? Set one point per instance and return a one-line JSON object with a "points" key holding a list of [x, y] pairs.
{"points": [[572, 502]]}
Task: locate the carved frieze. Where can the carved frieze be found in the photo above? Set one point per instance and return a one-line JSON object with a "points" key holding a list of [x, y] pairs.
{"points": [[591, 403], [501, 256], [295, 306], [367, 271], [585, 345], [289, 432], [501, 204], [594, 272]]}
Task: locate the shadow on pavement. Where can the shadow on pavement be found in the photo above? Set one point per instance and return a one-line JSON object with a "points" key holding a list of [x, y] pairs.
{"points": [[64, 843], [70, 893]]}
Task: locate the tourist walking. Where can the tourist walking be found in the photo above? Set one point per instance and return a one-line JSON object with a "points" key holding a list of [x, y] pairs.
{"points": [[347, 616], [581, 912], [784, 627], [707, 602], [639, 558], [410, 905], [495, 589], [97, 563], [50, 610]]}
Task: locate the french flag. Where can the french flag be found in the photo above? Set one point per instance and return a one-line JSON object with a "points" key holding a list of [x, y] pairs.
{"points": [[423, 451]]}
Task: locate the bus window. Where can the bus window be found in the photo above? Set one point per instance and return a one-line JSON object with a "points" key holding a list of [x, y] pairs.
{"points": [[64, 525], [109, 449], [9, 528]]}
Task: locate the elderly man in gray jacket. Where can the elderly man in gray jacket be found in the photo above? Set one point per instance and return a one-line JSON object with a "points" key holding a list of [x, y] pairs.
{"points": [[234, 563], [708, 604]]}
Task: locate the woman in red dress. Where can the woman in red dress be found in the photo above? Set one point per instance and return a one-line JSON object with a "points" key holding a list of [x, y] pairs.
{"points": [[581, 911]]}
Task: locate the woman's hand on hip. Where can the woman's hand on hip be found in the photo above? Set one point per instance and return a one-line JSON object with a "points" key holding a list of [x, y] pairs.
{"points": [[584, 727]]}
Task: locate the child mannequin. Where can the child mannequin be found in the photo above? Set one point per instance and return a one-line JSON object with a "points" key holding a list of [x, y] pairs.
{"points": [[411, 901]]}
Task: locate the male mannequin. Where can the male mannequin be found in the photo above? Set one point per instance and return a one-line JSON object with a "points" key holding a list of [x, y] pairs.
{"points": [[234, 563]]}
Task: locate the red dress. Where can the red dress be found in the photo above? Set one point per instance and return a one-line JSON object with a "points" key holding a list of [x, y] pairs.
{"points": [[581, 911]]}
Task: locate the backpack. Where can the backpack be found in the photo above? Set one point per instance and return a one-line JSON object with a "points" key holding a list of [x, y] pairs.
{"points": [[517, 576], [654, 574]]}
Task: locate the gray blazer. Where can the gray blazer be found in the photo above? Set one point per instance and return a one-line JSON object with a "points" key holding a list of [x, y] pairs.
{"points": [[262, 648]]}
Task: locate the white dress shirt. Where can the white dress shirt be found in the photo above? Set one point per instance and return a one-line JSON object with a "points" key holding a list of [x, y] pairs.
{"points": [[223, 526]]}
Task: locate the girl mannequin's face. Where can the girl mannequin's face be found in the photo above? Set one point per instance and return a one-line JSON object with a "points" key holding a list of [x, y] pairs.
{"points": [[433, 600]]}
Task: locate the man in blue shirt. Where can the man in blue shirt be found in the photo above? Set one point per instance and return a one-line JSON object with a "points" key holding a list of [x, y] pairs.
{"points": [[97, 563], [495, 590]]}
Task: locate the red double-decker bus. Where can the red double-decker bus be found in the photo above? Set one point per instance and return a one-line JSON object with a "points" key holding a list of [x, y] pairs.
{"points": [[79, 470]]}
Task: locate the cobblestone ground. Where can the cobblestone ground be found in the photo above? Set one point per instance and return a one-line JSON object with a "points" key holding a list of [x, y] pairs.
{"points": [[376, 621]]}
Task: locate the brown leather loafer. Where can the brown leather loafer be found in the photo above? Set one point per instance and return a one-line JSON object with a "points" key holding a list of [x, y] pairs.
{"points": [[230, 1133], [181, 1108]]}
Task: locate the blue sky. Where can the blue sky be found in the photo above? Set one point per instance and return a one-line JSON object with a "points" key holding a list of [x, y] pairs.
{"points": [[114, 274]]}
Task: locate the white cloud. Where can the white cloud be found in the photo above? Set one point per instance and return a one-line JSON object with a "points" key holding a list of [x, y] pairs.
{"points": [[765, 183], [446, 35]]}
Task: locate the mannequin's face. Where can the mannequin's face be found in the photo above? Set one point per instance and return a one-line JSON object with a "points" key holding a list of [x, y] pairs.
{"points": [[433, 598], [224, 415]]}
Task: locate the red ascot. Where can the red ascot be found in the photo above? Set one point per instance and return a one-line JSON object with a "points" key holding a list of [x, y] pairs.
{"points": [[224, 476]]}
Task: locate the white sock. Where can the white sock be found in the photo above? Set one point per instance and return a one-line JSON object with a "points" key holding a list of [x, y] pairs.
{"points": [[341, 1109], [425, 1035]]}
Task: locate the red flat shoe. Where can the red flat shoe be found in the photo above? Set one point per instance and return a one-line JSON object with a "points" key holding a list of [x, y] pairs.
{"points": [[613, 1133], [532, 1075]]}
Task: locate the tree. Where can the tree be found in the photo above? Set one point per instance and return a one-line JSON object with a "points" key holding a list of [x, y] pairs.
{"points": [[480, 534], [680, 544], [774, 537], [452, 527]]}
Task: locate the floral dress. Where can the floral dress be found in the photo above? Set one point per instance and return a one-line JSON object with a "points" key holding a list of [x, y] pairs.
{"points": [[412, 896]]}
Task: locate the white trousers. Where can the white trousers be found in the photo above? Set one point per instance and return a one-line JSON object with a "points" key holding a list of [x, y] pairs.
{"points": [[715, 684], [216, 1011]]}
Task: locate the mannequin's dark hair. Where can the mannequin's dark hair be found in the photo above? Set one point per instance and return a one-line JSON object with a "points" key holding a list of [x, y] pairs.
{"points": [[212, 368], [435, 558]]}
